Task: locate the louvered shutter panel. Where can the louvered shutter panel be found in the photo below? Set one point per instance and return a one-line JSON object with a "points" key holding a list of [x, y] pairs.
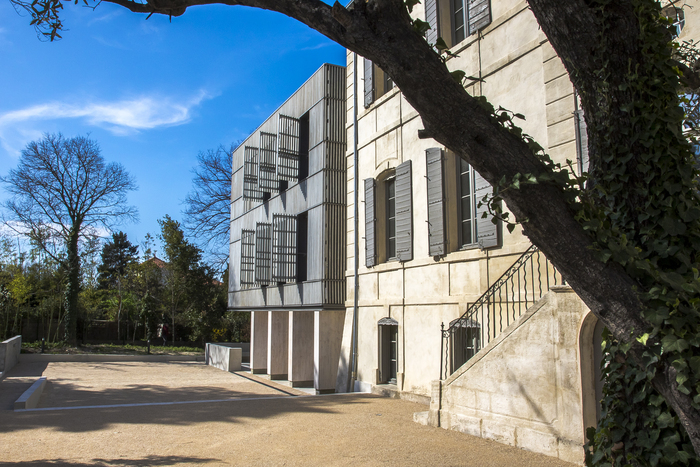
{"points": [[370, 223], [288, 148], [267, 166], [263, 253], [436, 211], [486, 230], [404, 212], [479, 15], [251, 189], [284, 248], [431, 17], [369, 83], [582, 140]]}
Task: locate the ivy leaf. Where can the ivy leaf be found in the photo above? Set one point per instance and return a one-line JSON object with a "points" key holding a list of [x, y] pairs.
{"points": [[643, 338], [420, 26], [458, 75], [671, 343]]}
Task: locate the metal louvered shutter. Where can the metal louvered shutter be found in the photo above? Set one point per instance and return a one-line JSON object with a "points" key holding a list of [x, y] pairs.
{"points": [[370, 223], [251, 190], [263, 253], [486, 230], [369, 83], [247, 259], [436, 193], [284, 248], [404, 212], [288, 149], [581, 140], [431, 17], [267, 166], [479, 15]]}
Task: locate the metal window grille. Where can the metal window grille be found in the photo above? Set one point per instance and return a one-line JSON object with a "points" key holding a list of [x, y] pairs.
{"points": [[284, 248], [247, 259], [263, 253], [250, 174], [288, 149], [267, 167]]}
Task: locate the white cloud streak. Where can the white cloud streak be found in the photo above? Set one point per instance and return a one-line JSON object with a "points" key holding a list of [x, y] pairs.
{"points": [[120, 117]]}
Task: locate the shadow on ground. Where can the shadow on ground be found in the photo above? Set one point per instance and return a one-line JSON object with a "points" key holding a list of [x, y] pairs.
{"points": [[148, 460]]}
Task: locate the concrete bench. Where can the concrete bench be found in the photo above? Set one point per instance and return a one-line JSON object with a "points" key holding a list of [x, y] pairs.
{"points": [[30, 398], [224, 357]]}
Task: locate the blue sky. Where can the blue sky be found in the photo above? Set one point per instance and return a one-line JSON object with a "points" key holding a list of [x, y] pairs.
{"points": [[152, 93]]}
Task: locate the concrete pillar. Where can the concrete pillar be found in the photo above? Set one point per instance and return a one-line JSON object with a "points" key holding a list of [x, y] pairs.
{"points": [[277, 344], [258, 341], [328, 335], [301, 348]]}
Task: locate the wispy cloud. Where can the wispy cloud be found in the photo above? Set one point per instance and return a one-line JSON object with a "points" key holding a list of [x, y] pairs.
{"points": [[120, 117]]}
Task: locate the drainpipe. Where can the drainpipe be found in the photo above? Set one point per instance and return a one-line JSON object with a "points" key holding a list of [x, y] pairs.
{"points": [[353, 357]]}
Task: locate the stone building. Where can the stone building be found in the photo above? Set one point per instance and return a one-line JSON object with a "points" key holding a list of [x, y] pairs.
{"points": [[287, 245]]}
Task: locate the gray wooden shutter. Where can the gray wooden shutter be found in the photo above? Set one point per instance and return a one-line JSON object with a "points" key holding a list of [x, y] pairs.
{"points": [[251, 190], [581, 140], [486, 230], [370, 223], [263, 253], [404, 212], [436, 194], [479, 14], [267, 166], [369, 83], [431, 17], [284, 248], [288, 148]]}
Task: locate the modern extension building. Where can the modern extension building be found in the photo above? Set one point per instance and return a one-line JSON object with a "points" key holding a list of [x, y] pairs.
{"points": [[287, 234]]}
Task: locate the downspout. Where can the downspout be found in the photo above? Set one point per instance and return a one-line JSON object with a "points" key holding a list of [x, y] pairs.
{"points": [[353, 358]]}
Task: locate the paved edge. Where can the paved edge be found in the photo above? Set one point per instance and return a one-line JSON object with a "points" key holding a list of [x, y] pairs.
{"points": [[33, 358], [30, 398]]}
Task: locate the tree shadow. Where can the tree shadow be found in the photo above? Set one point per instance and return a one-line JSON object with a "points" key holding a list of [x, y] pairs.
{"points": [[144, 461]]}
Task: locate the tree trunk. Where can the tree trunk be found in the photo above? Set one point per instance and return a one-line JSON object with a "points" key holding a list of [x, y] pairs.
{"points": [[72, 287]]}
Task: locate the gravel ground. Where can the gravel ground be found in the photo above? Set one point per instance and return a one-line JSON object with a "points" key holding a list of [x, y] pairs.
{"points": [[263, 423]]}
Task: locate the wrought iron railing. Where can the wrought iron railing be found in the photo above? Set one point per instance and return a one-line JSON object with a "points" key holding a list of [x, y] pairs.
{"points": [[525, 282]]}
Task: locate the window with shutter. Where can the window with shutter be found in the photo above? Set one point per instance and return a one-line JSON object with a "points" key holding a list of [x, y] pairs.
{"points": [[247, 259], [479, 14], [369, 83], [581, 141], [284, 248], [432, 18], [436, 207], [466, 204], [377, 83], [288, 150], [370, 223], [488, 233], [251, 189], [267, 166], [263, 253], [404, 212]]}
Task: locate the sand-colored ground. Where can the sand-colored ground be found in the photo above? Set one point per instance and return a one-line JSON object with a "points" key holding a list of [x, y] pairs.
{"points": [[255, 422]]}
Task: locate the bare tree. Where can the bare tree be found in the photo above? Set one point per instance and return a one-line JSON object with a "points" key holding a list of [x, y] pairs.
{"points": [[62, 189], [208, 205], [628, 242]]}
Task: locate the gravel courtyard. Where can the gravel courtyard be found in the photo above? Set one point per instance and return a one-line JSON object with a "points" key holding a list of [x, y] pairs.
{"points": [[185, 413]]}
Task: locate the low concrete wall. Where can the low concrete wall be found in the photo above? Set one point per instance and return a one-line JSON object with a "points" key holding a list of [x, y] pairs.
{"points": [[30, 398], [524, 388], [9, 353], [224, 357], [28, 358]]}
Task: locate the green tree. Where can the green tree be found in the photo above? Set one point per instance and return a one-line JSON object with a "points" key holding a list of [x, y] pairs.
{"points": [[117, 255], [626, 238], [61, 190]]}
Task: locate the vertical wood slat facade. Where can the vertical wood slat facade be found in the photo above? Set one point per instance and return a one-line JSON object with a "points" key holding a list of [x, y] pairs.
{"points": [[263, 253], [404, 212], [370, 223], [284, 248], [267, 165], [487, 232], [288, 150], [436, 205], [479, 15]]}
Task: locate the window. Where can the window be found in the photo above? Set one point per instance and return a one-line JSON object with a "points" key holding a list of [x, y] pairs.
{"points": [[677, 17], [302, 246], [454, 217], [377, 83], [389, 222], [284, 248], [388, 350], [455, 20], [303, 147], [247, 259], [465, 341]]}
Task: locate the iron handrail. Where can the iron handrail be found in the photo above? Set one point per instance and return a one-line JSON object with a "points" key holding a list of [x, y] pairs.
{"points": [[504, 301]]}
